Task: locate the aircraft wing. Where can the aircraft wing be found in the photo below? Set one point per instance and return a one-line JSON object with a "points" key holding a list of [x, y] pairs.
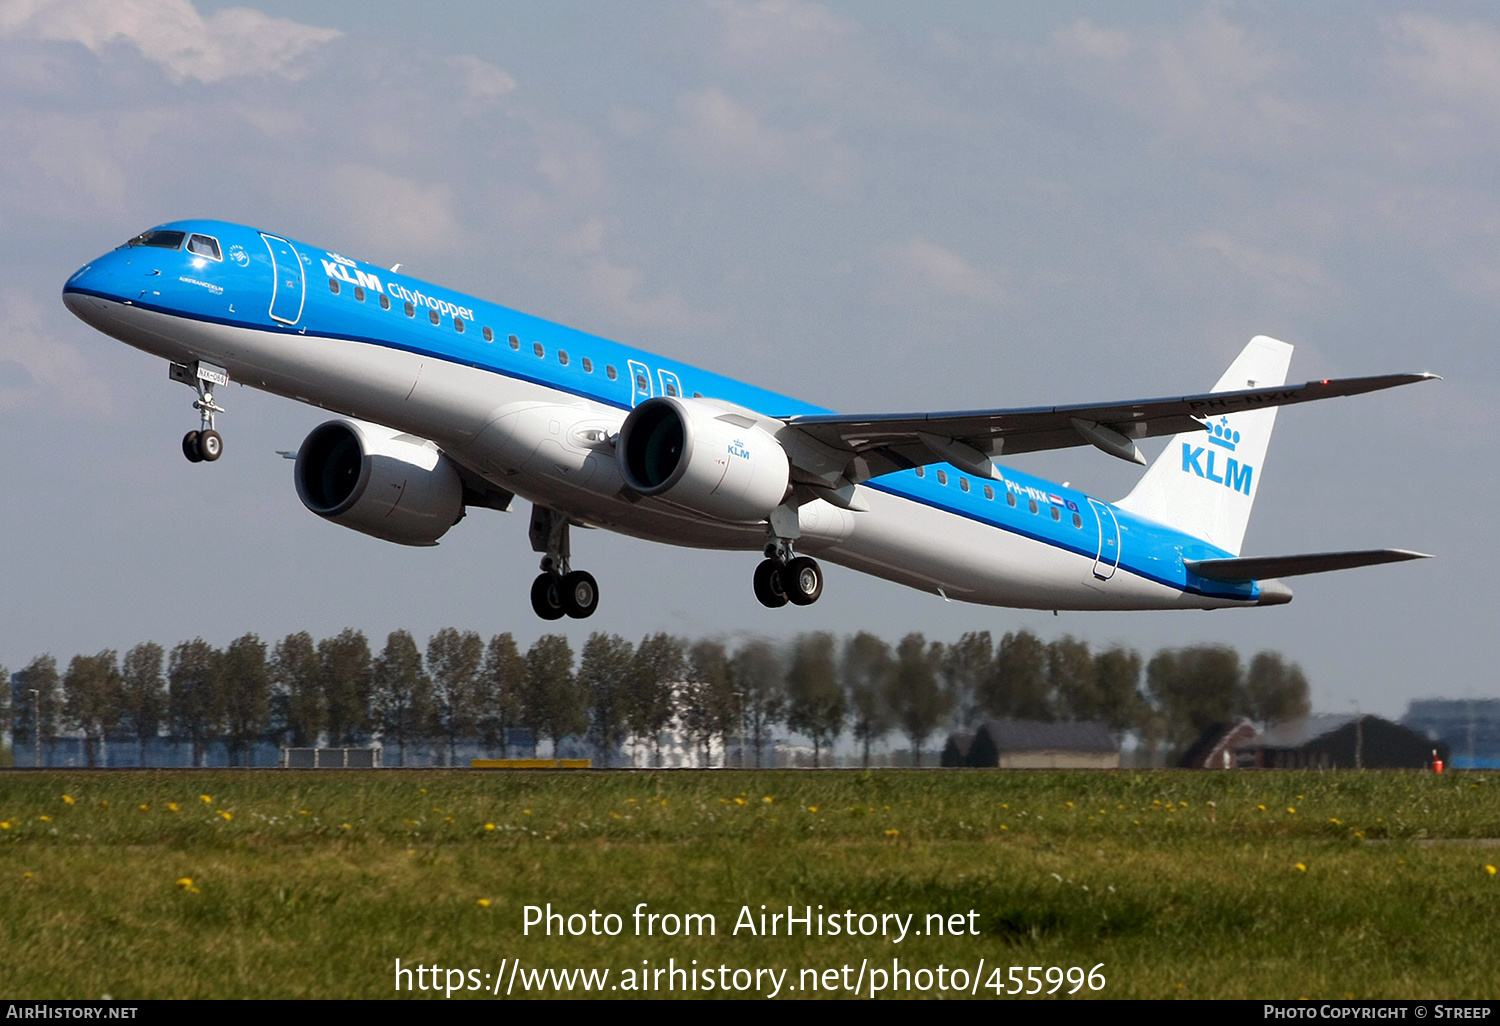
{"points": [[882, 443], [1255, 568]]}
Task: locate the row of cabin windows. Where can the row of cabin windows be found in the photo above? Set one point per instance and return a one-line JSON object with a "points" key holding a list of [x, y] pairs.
{"points": [[989, 493], [489, 335]]}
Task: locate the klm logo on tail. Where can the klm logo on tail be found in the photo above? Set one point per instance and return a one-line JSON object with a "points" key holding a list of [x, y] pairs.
{"points": [[1200, 459]]}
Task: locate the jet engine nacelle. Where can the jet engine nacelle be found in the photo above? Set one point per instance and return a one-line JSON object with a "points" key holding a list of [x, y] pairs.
{"points": [[697, 456], [396, 487]]}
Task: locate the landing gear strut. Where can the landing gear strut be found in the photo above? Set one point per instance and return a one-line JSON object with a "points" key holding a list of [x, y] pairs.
{"points": [[204, 445], [559, 590]]}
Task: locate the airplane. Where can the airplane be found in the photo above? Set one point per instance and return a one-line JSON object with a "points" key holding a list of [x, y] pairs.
{"points": [[447, 402]]}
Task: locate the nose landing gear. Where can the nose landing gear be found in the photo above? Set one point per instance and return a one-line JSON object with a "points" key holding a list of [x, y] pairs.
{"points": [[204, 445], [559, 590]]}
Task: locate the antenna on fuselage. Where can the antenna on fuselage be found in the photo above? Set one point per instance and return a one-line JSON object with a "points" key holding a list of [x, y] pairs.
{"points": [[396, 268]]}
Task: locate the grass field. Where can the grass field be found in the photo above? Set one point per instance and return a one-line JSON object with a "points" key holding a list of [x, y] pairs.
{"points": [[284, 884]]}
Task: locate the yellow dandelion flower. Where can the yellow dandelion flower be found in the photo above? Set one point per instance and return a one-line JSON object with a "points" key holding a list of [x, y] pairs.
{"points": [[483, 903], [305, 813], [1004, 827], [1301, 867], [1262, 808], [145, 807], [1299, 797], [5, 825], [345, 826], [739, 801], [185, 882], [1103, 812], [1183, 804], [1070, 805], [45, 819], [68, 798], [28, 875], [225, 815], [489, 826], [767, 799], [448, 819], [1490, 870], [1291, 811], [526, 812], [1335, 821], [629, 801], [893, 833], [172, 806], [206, 799], [812, 808]]}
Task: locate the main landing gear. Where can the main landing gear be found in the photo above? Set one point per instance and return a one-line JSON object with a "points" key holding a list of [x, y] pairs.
{"points": [[560, 590], [204, 445], [784, 577]]}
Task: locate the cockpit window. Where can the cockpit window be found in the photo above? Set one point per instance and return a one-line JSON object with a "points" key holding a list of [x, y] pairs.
{"points": [[158, 238], [204, 245]]}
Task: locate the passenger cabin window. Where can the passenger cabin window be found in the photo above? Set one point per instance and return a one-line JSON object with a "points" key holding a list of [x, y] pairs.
{"points": [[458, 325], [537, 348], [359, 293], [942, 477], [921, 471], [671, 389], [159, 239], [489, 336], [411, 311], [610, 372], [588, 365], [1010, 498], [333, 286], [562, 357], [204, 246], [1032, 504], [989, 493], [963, 483], [385, 301], [433, 316], [641, 383], [515, 343], [1056, 513], [1077, 520]]}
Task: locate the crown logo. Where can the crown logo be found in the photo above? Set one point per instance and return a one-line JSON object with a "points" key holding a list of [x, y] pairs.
{"points": [[1220, 434]]}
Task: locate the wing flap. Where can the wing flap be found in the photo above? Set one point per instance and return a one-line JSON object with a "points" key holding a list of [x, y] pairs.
{"points": [[1255, 568]]}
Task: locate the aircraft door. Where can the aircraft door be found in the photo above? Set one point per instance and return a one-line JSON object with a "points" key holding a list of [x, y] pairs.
{"points": [[1108, 559], [288, 289], [640, 382], [669, 385]]}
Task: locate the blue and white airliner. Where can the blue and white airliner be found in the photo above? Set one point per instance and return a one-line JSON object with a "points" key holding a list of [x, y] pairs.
{"points": [[447, 402]]}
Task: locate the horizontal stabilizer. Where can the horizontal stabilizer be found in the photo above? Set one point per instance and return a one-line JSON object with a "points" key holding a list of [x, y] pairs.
{"points": [[1255, 568]]}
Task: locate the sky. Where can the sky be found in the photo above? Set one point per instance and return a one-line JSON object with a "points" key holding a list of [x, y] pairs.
{"points": [[873, 206]]}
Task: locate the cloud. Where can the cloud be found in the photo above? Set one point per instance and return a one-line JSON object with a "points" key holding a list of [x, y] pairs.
{"points": [[1284, 274], [483, 80], [1447, 59], [393, 213], [935, 269], [719, 134], [232, 42], [779, 30], [36, 368]]}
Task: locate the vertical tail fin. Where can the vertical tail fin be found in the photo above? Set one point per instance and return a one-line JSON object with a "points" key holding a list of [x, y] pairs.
{"points": [[1204, 482]]}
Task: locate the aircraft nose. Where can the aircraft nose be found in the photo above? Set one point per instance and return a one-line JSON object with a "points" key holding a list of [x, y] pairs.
{"points": [[90, 288]]}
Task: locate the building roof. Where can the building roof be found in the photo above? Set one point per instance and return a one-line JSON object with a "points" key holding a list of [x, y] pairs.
{"points": [[1296, 733], [1038, 736]]}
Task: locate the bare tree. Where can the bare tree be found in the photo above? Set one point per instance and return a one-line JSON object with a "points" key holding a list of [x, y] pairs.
{"points": [[815, 702], [143, 692], [401, 693], [758, 677], [91, 698], [867, 670]]}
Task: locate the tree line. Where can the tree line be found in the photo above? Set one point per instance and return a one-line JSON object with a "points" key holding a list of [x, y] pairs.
{"points": [[463, 690]]}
